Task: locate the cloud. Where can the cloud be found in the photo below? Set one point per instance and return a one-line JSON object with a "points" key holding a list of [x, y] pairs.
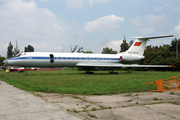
{"points": [[3, 46], [73, 4], [177, 9], [146, 30], [149, 23], [98, 1], [43, 0], [176, 30], [103, 24], [24, 22], [154, 20], [150, 20], [114, 44], [45, 46], [163, 7], [137, 21]]}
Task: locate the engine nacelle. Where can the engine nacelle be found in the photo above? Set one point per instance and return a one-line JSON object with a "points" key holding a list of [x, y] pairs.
{"points": [[130, 58]]}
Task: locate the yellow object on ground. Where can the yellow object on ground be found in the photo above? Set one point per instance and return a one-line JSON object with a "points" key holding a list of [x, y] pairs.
{"points": [[168, 84], [7, 70]]}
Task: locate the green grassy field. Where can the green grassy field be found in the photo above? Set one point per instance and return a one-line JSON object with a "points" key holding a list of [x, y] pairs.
{"points": [[71, 81]]}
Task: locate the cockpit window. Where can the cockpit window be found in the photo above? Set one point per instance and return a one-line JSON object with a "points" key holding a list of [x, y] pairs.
{"points": [[20, 54]]}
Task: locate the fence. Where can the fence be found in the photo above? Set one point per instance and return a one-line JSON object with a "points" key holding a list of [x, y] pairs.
{"points": [[168, 84]]}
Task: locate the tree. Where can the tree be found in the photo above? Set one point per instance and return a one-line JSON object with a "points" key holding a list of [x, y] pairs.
{"points": [[130, 43], [173, 44], [177, 64], [74, 49], [1, 60], [80, 50], [124, 46], [108, 51], [16, 49], [87, 51], [29, 48], [158, 55], [10, 51]]}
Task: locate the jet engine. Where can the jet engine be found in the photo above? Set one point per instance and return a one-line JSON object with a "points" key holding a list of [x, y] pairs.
{"points": [[130, 58]]}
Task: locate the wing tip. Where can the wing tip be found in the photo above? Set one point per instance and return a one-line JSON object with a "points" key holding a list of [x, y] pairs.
{"points": [[171, 35], [171, 66]]}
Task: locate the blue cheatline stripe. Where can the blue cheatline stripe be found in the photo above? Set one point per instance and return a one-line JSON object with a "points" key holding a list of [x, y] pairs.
{"points": [[26, 58], [63, 58], [17, 58], [40, 58]]}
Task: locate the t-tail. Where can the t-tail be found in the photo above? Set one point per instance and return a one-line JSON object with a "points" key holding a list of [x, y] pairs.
{"points": [[138, 47]]}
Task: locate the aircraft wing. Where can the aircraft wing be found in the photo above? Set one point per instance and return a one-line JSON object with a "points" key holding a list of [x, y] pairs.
{"points": [[116, 65]]}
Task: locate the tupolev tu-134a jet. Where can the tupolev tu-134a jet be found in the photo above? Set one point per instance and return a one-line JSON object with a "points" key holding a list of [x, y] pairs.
{"points": [[85, 61]]}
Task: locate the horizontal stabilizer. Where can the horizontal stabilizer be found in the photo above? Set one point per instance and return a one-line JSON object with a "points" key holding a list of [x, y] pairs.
{"points": [[147, 38]]}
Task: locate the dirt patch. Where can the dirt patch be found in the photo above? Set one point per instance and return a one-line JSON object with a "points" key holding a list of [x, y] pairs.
{"points": [[128, 106]]}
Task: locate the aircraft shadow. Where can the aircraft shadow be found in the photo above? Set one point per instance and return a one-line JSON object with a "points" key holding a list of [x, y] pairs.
{"points": [[78, 73]]}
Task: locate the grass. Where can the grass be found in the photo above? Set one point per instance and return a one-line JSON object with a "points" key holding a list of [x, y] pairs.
{"points": [[129, 101], [155, 98], [93, 109], [172, 93], [71, 81]]}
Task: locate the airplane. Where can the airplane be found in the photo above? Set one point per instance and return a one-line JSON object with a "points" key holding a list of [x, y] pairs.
{"points": [[84, 60]]}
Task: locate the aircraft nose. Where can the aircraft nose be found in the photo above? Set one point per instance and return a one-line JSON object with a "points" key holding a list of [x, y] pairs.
{"points": [[5, 62]]}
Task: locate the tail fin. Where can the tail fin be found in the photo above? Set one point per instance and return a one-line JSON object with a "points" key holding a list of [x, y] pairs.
{"points": [[138, 47]]}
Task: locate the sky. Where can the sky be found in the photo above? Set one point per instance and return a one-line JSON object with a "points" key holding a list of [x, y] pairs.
{"points": [[58, 25]]}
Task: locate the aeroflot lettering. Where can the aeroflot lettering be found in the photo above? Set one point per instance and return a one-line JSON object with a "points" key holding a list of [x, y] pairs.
{"points": [[137, 44], [29, 58], [130, 52]]}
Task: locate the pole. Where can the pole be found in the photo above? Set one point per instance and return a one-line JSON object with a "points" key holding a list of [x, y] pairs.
{"points": [[177, 50], [25, 71]]}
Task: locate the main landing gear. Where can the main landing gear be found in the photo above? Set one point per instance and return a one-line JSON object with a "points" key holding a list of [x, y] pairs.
{"points": [[111, 72], [87, 72]]}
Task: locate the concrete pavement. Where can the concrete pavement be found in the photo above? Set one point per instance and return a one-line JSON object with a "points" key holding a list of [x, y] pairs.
{"points": [[16, 104], [127, 106]]}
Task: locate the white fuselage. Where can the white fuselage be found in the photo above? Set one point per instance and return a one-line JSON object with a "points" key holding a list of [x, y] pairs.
{"points": [[47, 59]]}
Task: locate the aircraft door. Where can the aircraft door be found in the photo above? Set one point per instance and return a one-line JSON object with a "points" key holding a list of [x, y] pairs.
{"points": [[51, 58]]}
